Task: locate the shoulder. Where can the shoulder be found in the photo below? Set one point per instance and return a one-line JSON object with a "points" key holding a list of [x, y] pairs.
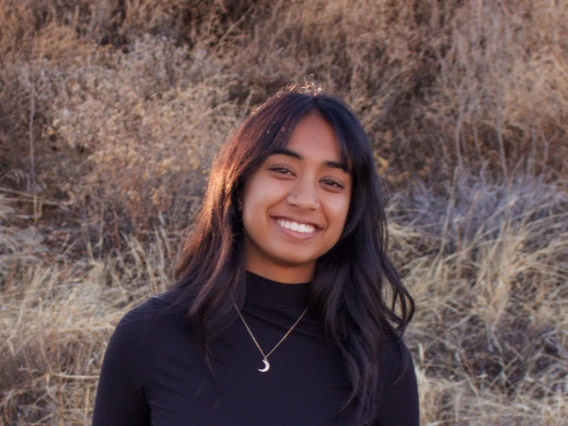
{"points": [[399, 404], [129, 367], [140, 317], [140, 327], [395, 360]]}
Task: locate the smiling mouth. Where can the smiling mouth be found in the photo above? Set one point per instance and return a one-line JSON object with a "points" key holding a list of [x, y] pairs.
{"points": [[302, 228]]}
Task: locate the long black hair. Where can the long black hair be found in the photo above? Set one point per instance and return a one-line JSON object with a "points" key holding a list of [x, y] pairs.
{"points": [[356, 290]]}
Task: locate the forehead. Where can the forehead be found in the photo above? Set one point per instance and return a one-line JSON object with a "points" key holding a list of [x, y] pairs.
{"points": [[313, 136]]}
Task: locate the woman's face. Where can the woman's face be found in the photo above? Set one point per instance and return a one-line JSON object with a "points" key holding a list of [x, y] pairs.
{"points": [[295, 204]]}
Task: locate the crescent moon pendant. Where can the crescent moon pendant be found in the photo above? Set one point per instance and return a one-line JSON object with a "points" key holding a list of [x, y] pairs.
{"points": [[266, 366]]}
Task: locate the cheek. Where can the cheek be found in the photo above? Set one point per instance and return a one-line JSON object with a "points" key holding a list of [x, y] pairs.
{"points": [[339, 210], [251, 199], [261, 191], [257, 198]]}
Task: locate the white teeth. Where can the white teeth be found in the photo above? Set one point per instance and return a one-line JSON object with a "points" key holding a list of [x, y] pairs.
{"points": [[297, 227]]}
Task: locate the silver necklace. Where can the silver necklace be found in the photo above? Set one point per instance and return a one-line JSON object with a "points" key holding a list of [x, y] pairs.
{"points": [[265, 356]]}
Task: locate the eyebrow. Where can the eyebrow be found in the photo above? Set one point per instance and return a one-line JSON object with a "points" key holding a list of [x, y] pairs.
{"points": [[295, 155]]}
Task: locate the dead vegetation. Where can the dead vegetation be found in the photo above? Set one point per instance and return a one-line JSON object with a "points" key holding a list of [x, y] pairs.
{"points": [[124, 103]]}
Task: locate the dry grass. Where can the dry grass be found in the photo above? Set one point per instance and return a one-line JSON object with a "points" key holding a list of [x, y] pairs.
{"points": [[465, 105], [55, 328], [489, 276]]}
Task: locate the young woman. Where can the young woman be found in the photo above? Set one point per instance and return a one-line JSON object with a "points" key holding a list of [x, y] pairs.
{"points": [[283, 312]]}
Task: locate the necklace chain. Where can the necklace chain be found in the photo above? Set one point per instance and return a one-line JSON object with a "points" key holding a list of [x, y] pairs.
{"points": [[277, 344]]}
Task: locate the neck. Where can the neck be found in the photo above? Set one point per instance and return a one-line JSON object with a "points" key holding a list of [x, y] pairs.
{"points": [[276, 294], [282, 274]]}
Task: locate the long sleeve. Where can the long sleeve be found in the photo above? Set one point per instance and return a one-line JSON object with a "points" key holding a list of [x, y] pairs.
{"points": [[120, 396], [400, 405]]}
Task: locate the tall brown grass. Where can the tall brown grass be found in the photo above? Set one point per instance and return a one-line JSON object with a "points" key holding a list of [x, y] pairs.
{"points": [[126, 102]]}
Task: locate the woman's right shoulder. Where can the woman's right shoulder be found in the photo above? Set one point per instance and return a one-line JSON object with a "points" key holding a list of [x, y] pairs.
{"points": [[149, 319], [136, 351]]}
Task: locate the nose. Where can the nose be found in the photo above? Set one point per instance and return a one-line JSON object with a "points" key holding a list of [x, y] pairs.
{"points": [[304, 195]]}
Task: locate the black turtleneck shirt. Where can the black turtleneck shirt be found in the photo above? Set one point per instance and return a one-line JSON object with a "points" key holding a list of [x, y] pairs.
{"points": [[152, 373]]}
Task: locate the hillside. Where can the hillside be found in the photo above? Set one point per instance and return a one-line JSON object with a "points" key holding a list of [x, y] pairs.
{"points": [[111, 112]]}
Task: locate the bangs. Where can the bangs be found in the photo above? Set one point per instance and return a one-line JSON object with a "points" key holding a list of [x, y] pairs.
{"points": [[346, 160], [280, 141], [350, 142]]}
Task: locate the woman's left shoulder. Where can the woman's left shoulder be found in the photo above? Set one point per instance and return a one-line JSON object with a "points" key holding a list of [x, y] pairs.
{"points": [[395, 359], [399, 402]]}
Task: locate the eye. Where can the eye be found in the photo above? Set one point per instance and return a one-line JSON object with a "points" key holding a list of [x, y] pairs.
{"points": [[281, 169], [332, 183]]}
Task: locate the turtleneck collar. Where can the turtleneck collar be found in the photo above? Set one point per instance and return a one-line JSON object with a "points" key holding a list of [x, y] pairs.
{"points": [[269, 292]]}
